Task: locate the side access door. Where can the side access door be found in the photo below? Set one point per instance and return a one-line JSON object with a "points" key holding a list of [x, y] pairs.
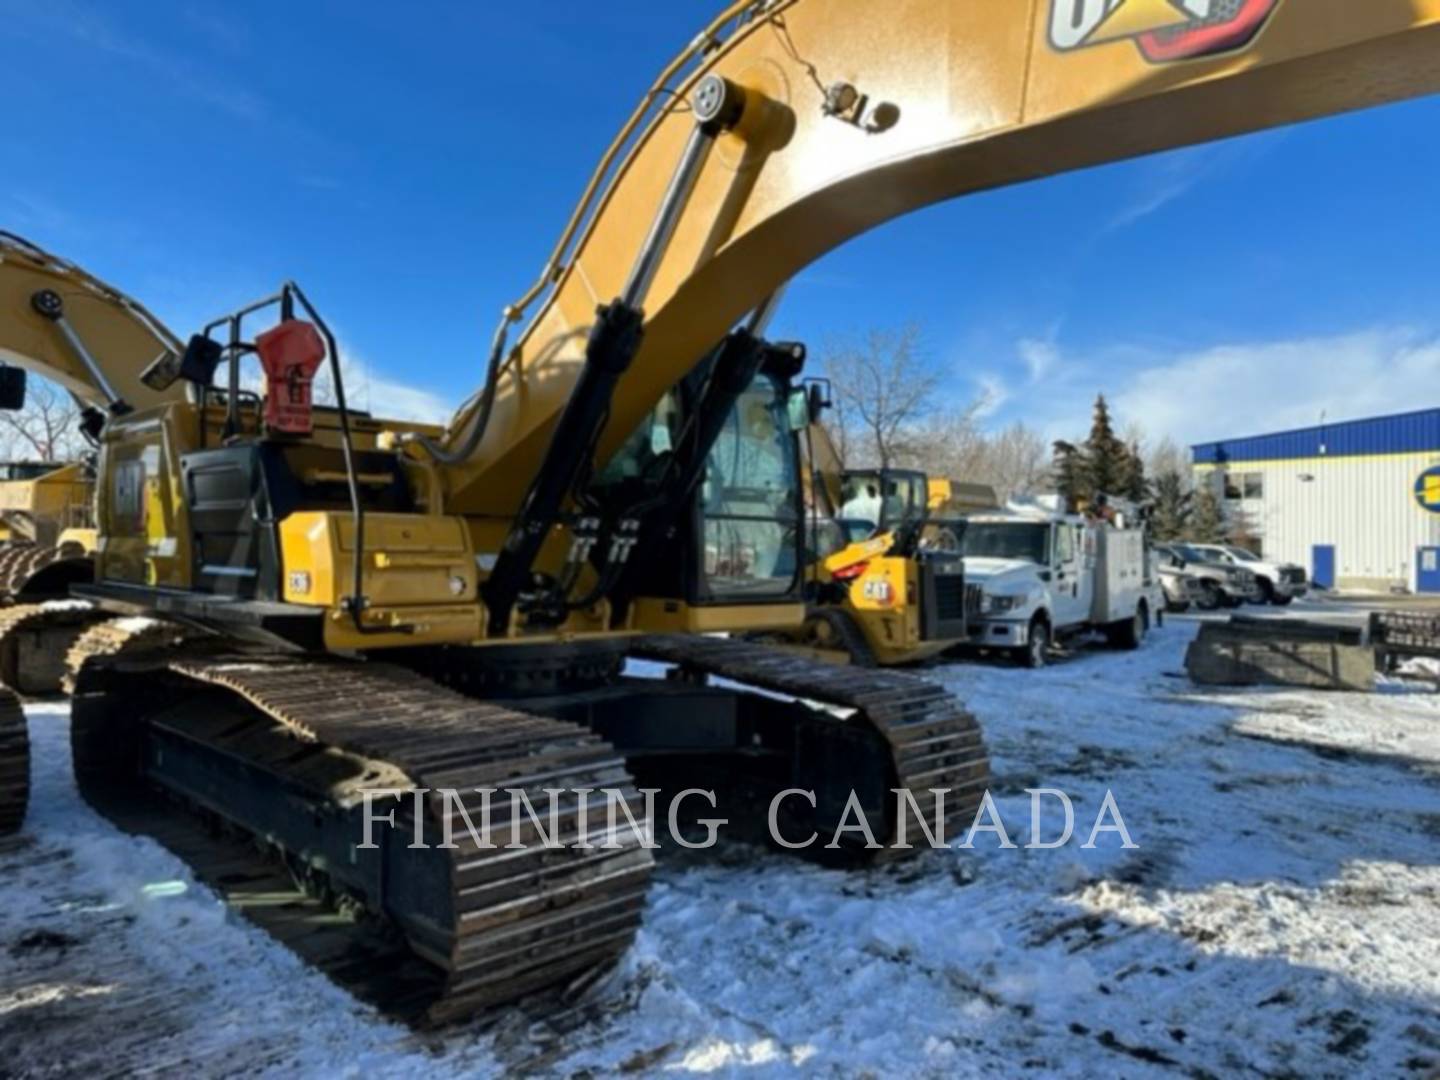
{"points": [[1073, 579]]}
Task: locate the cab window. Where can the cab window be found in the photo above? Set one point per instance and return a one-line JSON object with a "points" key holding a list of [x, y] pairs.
{"points": [[748, 502], [1064, 544]]}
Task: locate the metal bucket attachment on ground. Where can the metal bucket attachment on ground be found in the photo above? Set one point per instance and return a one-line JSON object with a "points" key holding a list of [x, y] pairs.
{"points": [[1282, 652]]}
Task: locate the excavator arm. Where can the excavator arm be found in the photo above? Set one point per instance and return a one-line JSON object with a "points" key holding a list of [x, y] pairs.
{"points": [[854, 112], [61, 322]]}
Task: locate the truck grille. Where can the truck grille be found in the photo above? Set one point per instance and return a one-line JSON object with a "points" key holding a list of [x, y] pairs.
{"points": [[1294, 575], [949, 596], [973, 593]]}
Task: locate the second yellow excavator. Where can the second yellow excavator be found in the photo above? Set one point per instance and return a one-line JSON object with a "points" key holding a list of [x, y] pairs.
{"points": [[340, 609]]}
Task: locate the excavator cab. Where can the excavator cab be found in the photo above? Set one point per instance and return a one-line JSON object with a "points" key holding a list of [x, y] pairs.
{"points": [[715, 468]]}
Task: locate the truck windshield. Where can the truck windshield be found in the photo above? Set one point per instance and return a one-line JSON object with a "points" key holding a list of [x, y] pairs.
{"points": [[1029, 541], [1242, 554]]}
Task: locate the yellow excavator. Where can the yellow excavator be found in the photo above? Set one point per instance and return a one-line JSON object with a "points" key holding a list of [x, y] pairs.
{"points": [[337, 607]]}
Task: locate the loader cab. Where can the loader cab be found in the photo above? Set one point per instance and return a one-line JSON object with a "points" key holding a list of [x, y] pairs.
{"points": [[887, 500]]}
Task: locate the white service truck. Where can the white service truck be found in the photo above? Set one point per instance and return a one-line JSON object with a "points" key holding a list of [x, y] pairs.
{"points": [[1036, 575]]}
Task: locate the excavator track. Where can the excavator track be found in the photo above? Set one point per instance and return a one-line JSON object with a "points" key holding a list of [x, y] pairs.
{"points": [[12, 555], [35, 642], [130, 637], [40, 571], [934, 744], [286, 750], [14, 764]]}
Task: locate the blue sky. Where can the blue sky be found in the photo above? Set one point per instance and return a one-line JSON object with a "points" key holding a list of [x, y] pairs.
{"points": [[411, 165]]}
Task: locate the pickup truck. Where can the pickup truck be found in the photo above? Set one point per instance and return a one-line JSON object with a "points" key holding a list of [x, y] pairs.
{"points": [[1222, 584], [1036, 575], [1280, 582], [1182, 590]]}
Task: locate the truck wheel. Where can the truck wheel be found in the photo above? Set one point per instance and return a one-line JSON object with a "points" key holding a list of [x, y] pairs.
{"points": [[1211, 596], [1037, 646], [1129, 633], [1267, 591], [1282, 601]]}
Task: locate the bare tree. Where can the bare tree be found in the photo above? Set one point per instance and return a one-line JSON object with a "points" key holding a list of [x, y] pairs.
{"points": [[46, 429], [883, 387], [947, 441], [1168, 457], [1015, 461]]}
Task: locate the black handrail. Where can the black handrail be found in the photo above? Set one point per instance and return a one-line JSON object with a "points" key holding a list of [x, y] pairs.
{"points": [[357, 601]]}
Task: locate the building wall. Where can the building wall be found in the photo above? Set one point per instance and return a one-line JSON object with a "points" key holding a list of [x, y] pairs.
{"points": [[1363, 505]]}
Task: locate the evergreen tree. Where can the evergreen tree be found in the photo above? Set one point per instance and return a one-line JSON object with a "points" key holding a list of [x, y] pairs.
{"points": [[1106, 455], [1133, 483], [1170, 518], [1207, 518], [1070, 473]]}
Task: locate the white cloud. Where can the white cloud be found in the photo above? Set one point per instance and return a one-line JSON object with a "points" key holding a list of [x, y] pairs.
{"points": [[91, 26], [1161, 195], [1168, 177], [1250, 389], [1235, 389], [994, 394], [1039, 357], [393, 400]]}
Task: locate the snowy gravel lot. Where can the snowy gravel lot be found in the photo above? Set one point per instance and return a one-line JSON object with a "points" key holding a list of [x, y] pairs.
{"points": [[1280, 917]]}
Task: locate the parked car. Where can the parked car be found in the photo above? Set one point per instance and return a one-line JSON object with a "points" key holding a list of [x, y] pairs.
{"points": [[1280, 582], [1182, 590], [1222, 584]]}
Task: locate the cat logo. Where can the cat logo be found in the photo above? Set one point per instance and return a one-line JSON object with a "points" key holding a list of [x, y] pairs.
{"points": [[1165, 30]]}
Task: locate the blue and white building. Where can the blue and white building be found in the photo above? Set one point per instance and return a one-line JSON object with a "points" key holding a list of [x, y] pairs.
{"points": [[1356, 503]]}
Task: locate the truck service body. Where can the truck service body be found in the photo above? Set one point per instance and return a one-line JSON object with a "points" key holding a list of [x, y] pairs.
{"points": [[1038, 574]]}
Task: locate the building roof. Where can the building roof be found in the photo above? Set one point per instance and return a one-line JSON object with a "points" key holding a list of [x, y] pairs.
{"points": [[1407, 433]]}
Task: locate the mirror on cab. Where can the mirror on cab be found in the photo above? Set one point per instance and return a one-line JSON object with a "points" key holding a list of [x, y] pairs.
{"points": [[816, 403], [798, 407], [12, 389]]}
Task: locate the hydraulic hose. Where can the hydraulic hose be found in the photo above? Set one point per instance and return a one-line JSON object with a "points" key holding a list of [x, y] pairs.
{"points": [[467, 449]]}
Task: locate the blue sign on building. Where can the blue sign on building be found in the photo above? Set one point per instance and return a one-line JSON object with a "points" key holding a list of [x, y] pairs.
{"points": [[1427, 490]]}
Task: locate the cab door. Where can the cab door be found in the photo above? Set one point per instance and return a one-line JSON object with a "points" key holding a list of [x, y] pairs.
{"points": [[1072, 584]]}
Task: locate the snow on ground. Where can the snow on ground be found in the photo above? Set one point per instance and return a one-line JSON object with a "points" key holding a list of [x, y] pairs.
{"points": [[1278, 917]]}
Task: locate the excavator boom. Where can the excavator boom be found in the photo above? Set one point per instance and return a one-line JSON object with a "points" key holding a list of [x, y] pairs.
{"points": [[859, 111]]}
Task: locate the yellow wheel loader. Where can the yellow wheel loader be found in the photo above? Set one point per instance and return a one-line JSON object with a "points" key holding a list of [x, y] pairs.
{"points": [[885, 582], [350, 619], [47, 529], [878, 594]]}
